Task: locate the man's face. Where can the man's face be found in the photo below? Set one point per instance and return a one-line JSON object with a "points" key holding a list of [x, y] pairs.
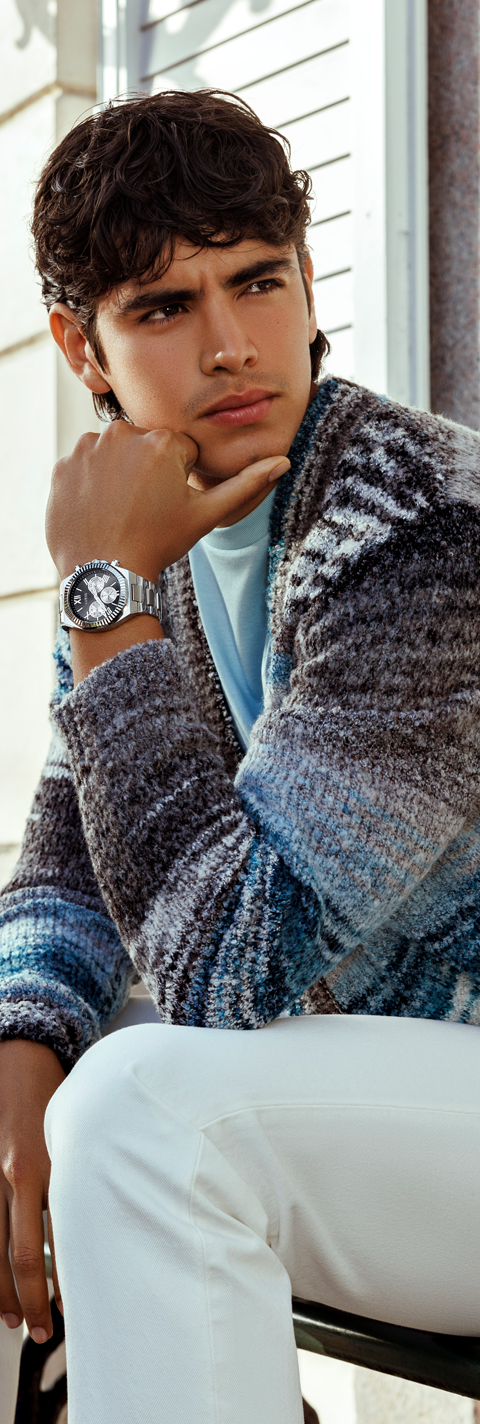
{"points": [[217, 348]]}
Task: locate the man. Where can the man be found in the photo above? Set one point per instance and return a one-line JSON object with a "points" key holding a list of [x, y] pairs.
{"points": [[261, 798]]}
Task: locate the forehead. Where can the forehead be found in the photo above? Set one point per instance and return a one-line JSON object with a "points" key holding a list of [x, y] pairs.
{"points": [[193, 266]]}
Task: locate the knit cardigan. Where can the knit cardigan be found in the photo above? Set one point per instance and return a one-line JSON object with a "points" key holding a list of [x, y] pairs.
{"points": [[336, 865]]}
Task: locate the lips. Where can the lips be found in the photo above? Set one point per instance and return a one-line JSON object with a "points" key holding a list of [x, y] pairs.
{"points": [[233, 402], [244, 409]]}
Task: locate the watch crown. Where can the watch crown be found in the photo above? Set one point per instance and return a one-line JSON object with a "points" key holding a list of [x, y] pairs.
{"points": [[77, 566]]}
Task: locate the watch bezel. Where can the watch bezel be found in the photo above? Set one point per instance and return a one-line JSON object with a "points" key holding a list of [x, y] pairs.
{"points": [[111, 616]]}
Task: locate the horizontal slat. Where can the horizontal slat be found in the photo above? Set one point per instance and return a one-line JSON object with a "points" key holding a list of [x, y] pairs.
{"points": [[301, 88], [332, 190], [341, 359], [248, 58], [320, 137], [196, 28], [158, 9], [334, 301], [331, 245], [162, 9]]}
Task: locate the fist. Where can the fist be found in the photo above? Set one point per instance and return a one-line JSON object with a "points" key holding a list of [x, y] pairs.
{"points": [[114, 497], [125, 495]]}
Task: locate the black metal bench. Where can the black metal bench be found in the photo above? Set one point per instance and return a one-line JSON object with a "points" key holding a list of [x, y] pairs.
{"points": [[450, 1362]]}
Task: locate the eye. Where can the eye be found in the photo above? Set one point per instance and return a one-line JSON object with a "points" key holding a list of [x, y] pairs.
{"points": [[162, 315], [266, 284]]}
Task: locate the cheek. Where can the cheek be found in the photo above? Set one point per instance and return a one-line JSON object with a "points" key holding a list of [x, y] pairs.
{"points": [[284, 334], [149, 389]]}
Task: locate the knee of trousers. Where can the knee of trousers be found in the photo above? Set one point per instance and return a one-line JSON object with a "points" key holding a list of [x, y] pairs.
{"points": [[193, 1072], [117, 1121], [125, 1089], [86, 1110]]}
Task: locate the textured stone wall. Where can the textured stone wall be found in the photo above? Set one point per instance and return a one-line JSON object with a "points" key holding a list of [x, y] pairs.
{"points": [[454, 179]]}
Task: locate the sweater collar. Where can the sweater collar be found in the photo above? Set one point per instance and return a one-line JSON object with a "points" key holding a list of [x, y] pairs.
{"points": [[299, 449]]}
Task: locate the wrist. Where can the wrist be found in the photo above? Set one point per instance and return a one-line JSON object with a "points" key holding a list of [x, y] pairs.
{"points": [[99, 595]]}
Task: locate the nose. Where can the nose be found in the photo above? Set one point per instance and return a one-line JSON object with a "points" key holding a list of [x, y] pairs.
{"points": [[227, 345]]}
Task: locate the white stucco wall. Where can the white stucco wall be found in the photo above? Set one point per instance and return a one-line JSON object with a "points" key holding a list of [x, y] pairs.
{"points": [[48, 65]]}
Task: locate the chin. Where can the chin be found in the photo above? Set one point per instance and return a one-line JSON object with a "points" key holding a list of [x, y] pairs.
{"points": [[223, 464]]}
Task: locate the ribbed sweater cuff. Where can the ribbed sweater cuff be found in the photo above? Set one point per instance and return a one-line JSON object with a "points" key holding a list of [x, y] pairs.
{"points": [[143, 682], [47, 1018]]}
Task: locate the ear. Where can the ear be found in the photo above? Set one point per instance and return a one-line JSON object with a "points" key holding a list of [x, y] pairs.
{"points": [[68, 334], [308, 275]]}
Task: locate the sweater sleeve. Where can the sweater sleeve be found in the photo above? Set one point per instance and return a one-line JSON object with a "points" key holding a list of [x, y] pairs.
{"points": [[234, 898], [63, 970]]}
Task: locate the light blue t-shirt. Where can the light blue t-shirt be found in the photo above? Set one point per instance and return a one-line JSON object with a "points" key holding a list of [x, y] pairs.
{"points": [[229, 570]]}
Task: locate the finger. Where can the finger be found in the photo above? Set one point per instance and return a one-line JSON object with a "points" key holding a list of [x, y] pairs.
{"points": [[10, 1308], [56, 1287], [191, 453], [229, 497], [28, 1261], [184, 450]]}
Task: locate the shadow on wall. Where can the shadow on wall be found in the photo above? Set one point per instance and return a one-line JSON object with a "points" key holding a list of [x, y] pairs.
{"points": [[199, 24], [39, 14]]}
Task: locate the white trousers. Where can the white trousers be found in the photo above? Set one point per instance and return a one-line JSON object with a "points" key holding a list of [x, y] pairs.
{"points": [[200, 1177]]}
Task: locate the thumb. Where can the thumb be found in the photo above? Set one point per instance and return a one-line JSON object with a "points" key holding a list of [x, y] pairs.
{"points": [[230, 496]]}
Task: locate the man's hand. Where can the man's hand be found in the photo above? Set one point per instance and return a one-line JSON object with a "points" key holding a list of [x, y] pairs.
{"points": [[125, 495], [30, 1073]]}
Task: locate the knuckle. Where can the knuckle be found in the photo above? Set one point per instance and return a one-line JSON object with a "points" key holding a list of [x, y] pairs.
{"points": [[27, 1261], [17, 1170], [164, 437], [77, 453], [116, 430], [37, 1314], [159, 440]]}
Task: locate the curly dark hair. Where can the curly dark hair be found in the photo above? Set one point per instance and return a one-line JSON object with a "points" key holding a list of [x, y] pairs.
{"points": [[127, 181]]}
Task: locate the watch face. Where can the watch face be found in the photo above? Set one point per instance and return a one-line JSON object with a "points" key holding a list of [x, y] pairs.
{"points": [[96, 596]]}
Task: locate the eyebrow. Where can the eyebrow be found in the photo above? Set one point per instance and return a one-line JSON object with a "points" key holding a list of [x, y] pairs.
{"points": [[170, 296]]}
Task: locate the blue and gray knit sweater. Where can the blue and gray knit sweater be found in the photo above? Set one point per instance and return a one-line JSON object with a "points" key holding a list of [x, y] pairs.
{"points": [[334, 867]]}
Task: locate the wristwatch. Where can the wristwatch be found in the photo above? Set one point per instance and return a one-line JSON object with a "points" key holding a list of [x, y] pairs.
{"points": [[99, 594]]}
